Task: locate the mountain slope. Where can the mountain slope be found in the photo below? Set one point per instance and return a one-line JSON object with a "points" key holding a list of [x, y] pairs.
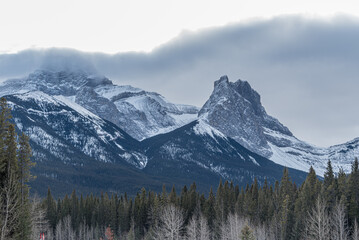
{"points": [[74, 148], [77, 149], [200, 153], [64, 128], [235, 109], [141, 114]]}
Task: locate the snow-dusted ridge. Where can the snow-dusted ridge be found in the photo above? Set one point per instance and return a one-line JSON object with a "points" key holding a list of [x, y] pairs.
{"points": [[235, 109], [57, 123], [203, 128], [140, 113]]}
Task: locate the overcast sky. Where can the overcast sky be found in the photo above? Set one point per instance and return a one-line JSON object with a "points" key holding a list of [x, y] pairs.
{"points": [[303, 63]]}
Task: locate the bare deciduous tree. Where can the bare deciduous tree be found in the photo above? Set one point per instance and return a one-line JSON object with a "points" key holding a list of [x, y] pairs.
{"points": [[171, 224], [260, 232], [9, 208], [355, 234], [339, 223], [64, 230], [231, 229], [198, 229], [39, 223], [318, 222], [204, 231], [192, 228], [86, 232]]}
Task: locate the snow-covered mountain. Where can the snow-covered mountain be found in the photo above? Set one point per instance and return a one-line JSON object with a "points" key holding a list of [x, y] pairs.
{"points": [[59, 129], [74, 148], [235, 109], [82, 126], [141, 114], [201, 153]]}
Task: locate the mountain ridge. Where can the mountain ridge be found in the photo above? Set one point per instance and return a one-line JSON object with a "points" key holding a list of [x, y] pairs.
{"points": [[236, 110], [140, 113], [73, 117]]}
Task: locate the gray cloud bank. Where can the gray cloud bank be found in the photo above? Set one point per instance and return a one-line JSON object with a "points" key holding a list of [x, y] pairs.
{"points": [[306, 70]]}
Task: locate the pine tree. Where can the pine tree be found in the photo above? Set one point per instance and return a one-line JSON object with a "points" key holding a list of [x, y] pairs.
{"points": [[342, 184], [51, 213], [74, 211], [25, 163], [285, 185], [5, 116], [253, 201], [113, 221], [164, 197], [353, 192], [330, 187], [11, 152], [284, 217], [305, 201], [209, 210], [173, 197]]}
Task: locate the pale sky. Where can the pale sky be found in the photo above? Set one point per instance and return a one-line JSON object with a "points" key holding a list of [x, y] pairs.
{"points": [[113, 26]]}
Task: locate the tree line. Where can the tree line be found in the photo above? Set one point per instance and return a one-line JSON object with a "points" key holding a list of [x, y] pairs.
{"points": [[317, 209]]}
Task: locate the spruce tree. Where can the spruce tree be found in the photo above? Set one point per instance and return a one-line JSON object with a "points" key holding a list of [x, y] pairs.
{"points": [[330, 187], [353, 191], [209, 210], [11, 152], [173, 196], [342, 184], [285, 185], [305, 201], [5, 116], [25, 163], [51, 212]]}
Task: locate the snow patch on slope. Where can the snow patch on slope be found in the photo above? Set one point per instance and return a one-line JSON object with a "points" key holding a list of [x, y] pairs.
{"points": [[203, 128], [83, 111]]}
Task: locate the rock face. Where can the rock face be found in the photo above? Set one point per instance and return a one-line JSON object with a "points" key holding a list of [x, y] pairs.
{"points": [[201, 153], [235, 109], [61, 129], [141, 114], [74, 148]]}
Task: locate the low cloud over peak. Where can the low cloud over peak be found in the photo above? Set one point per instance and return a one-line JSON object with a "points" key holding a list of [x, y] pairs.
{"points": [[306, 70]]}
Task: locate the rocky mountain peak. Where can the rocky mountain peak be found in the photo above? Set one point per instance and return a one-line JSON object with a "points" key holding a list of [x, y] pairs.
{"points": [[247, 92], [235, 109], [222, 81]]}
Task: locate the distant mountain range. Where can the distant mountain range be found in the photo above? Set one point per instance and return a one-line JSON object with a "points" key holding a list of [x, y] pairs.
{"points": [[92, 135]]}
